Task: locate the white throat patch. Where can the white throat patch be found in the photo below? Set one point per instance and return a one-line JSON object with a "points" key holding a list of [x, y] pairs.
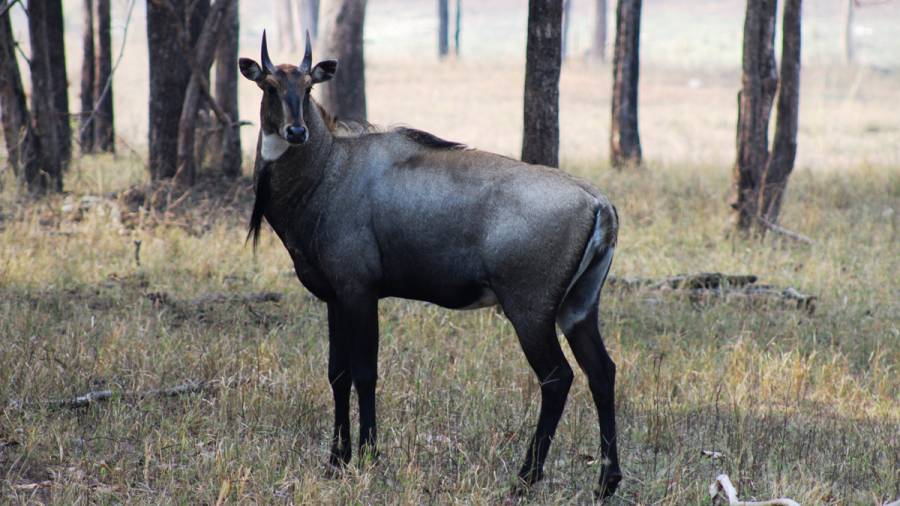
{"points": [[273, 146]]}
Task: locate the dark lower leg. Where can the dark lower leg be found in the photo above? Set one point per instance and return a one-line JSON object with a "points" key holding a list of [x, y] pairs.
{"points": [[365, 390], [590, 352], [339, 377], [554, 390]]}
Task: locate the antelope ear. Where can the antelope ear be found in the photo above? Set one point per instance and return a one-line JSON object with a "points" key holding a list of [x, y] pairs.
{"points": [[251, 70], [324, 71]]}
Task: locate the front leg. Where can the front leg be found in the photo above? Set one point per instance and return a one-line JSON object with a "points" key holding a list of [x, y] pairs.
{"points": [[356, 323], [339, 377]]}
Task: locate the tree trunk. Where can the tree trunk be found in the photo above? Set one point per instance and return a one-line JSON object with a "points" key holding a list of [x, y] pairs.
{"points": [[566, 22], [784, 148], [104, 131], [443, 28], [203, 54], [86, 129], [308, 19], [59, 80], [342, 39], [43, 104], [287, 39], [540, 138], [759, 83], [458, 27], [598, 44], [22, 146], [169, 77], [624, 140], [848, 31], [227, 156]]}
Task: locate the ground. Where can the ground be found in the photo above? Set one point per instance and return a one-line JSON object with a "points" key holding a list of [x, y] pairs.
{"points": [[798, 404]]}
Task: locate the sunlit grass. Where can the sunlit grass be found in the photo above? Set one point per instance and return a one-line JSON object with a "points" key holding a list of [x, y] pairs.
{"points": [[800, 405]]}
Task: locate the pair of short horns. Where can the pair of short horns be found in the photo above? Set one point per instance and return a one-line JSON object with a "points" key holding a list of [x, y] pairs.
{"points": [[305, 65]]}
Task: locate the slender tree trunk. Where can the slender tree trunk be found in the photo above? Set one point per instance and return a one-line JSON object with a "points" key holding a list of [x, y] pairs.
{"points": [[624, 140], [849, 10], [22, 146], [312, 19], [60, 84], [566, 22], [443, 28], [43, 105], [228, 155], [204, 52], [86, 129], [287, 39], [458, 27], [598, 44], [342, 39], [104, 130], [540, 139], [759, 83], [784, 148]]}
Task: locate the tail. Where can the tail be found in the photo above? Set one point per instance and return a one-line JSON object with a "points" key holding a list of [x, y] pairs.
{"points": [[583, 294], [263, 193]]}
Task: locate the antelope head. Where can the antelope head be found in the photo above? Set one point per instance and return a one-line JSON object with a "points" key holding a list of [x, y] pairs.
{"points": [[286, 91]]}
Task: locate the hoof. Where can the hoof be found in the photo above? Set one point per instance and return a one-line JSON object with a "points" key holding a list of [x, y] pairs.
{"points": [[609, 482], [334, 471]]}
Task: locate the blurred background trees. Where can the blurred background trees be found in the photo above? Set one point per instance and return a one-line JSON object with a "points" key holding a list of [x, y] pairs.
{"points": [[194, 118], [540, 138], [624, 140]]}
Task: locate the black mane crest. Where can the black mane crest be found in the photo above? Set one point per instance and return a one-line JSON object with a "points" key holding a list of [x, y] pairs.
{"points": [[428, 140]]}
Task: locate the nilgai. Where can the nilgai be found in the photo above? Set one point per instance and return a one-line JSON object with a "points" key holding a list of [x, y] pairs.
{"points": [[402, 213]]}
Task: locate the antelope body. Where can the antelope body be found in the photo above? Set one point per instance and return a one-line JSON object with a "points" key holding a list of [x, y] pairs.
{"points": [[402, 213]]}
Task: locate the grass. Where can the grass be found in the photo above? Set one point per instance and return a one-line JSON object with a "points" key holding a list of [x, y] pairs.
{"points": [[800, 405]]}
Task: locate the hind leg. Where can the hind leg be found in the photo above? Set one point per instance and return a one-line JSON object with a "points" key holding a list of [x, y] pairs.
{"points": [[587, 346], [578, 317], [537, 337]]}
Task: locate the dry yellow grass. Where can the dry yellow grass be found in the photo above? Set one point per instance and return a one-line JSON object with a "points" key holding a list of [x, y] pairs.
{"points": [[803, 406]]}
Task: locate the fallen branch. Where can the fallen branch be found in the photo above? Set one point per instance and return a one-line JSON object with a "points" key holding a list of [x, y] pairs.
{"points": [[778, 229], [723, 489], [687, 281], [715, 286], [85, 400], [215, 298]]}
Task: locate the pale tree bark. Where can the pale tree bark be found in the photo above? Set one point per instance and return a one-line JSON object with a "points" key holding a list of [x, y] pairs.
{"points": [[342, 39], [307, 20], [227, 148], [43, 105], [202, 58], [540, 138], [598, 41], [86, 131], [458, 27], [59, 83], [624, 140], [443, 28], [22, 146], [759, 83], [104, 131], [849, 11], [287, 39], [784, 147], [566, 22]]}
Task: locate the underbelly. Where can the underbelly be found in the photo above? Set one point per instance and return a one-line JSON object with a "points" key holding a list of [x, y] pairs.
{"points": [[471, 296]]}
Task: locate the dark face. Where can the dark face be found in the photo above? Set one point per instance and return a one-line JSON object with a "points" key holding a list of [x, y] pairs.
{"points": [[286, 91]]}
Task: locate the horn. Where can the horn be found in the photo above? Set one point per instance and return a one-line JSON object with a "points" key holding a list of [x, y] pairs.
{"points": [[266, 62], [306, 64]]}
